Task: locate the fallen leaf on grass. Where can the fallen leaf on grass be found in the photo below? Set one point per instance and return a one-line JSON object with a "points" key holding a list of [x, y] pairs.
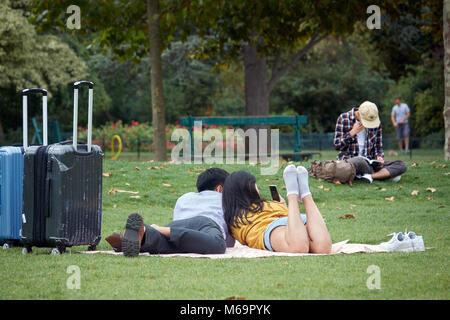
{"points": [[338, 182], [127, 184], [173, 191], [155, 168], [390, 199], [347, 216], [114, 190], [137, 168], [440, 207], [414, 164], [135, 197], [114, 205], [166, 185], [320, 187], [382, 189], [283, 187], [447, 173], [326, 189], [106, 174], [430, 197], [442, 165], [235, 298], [432, 190], [280, 285], [415, 192]]}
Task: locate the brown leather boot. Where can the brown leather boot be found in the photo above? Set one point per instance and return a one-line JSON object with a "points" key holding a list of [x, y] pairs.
{"points": [[132, 235], [115, 241]]}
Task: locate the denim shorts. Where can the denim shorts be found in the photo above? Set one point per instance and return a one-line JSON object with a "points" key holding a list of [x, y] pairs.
{"points": [[402, 131], [277, 223]]}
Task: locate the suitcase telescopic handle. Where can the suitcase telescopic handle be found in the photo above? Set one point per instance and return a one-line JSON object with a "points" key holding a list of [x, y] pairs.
{"points": [[76, 86], [25, 94]]}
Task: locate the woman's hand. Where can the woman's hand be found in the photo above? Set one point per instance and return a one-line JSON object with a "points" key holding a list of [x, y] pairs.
{"points": [[282, 201]]}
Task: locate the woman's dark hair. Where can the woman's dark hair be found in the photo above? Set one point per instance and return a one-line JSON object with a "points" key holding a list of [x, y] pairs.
{"points": [[239, 197], [211, 178]]}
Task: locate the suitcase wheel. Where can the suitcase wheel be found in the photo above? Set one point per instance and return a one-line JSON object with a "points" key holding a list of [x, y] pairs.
{"points": [[26, 250], [60, 249]]}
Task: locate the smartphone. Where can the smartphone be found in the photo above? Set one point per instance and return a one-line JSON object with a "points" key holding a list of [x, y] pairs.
{"points": [[274, 193]]}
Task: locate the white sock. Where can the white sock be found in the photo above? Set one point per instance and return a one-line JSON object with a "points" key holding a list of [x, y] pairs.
{"points": [[290, 179], [302, 177]]}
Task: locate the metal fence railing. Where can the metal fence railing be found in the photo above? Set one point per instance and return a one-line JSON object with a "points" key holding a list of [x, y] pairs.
{"points": [[324, 141]]}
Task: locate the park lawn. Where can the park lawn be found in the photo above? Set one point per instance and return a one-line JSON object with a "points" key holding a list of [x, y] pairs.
{"points": [[417, 275]]}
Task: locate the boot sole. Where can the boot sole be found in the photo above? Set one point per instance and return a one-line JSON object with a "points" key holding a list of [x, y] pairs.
{"points": [[130, 240]]}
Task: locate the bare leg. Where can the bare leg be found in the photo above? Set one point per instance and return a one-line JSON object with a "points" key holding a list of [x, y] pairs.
{"points": [[319, 237], [293, 237], [296, 237], [381, 175]]}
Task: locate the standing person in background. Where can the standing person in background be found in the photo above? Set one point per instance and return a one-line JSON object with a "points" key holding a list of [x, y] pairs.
{"points": [[399, 116]]}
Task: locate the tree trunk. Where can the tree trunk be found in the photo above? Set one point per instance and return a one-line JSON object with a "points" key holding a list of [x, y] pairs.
{"points": [[158, 112], [447, 78], [256, 93]]}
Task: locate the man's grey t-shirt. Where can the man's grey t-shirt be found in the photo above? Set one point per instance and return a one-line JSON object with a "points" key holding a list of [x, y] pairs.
{"points": [[207, 204], [400, 112]]}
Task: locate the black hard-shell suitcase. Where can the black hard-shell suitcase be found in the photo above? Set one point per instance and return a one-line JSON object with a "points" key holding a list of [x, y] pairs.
{"points": [[11, 178], [62, 202]]}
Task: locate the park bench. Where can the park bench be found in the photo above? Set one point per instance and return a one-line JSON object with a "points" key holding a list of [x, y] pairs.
{"points": [[54, 133], [296, 121]]}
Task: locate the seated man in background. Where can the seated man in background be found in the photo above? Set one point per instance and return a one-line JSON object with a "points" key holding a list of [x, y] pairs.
{"points": [[198, 226], [358, 138]]}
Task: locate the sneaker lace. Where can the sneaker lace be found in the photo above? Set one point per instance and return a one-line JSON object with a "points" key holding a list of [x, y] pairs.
{"points": [[394, 237]]}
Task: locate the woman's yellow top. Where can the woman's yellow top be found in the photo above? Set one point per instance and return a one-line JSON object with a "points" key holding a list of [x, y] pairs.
{"points": [[252, 234]]}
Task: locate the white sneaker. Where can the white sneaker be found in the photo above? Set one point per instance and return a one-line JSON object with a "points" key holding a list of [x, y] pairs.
{"points": [[396, 179], [417, 241], [397, 243], [366, 178]]}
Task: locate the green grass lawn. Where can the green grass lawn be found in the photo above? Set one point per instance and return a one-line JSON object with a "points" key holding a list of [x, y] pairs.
{"points": [[417, 275]]}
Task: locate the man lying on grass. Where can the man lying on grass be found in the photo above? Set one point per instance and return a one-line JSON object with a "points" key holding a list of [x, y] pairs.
{"points": [[359, 140], [198, 226], [271, 225]]}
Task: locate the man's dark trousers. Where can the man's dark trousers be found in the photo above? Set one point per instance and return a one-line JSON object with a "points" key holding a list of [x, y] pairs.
{"points": [[395, 168], [193, 235]]}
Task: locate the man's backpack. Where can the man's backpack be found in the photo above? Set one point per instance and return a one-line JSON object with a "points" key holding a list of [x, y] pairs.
{"points": [[335, 171]]}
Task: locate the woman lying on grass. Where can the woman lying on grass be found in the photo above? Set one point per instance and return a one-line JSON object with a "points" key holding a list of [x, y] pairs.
{"points": [[271, 225]]}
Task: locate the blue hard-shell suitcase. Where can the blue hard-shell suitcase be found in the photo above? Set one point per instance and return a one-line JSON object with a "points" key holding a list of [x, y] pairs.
{"points": [[11, 174]]}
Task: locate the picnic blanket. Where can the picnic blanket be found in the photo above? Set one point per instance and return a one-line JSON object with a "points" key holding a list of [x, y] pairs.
{"points": [[241, 251]]}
